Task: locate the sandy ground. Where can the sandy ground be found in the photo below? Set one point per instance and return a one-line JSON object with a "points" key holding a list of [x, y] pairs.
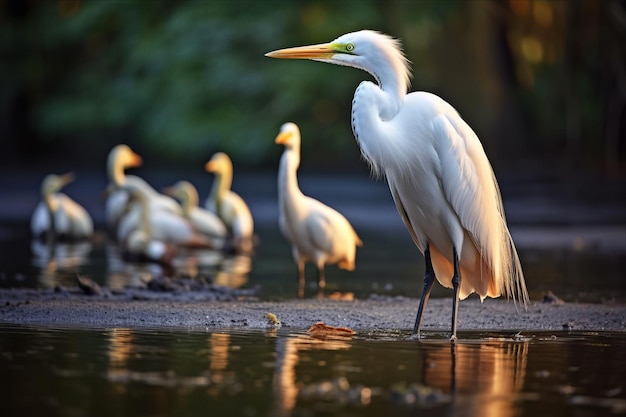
{"points": [[217, 308]]}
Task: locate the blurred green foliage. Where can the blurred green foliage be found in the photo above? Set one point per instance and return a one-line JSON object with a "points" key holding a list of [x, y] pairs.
{"points": [[183, 79]]}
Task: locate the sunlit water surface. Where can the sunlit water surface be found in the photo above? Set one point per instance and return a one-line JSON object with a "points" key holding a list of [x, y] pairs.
{"points": [[124, 372], [76, 372], [388, 264]]}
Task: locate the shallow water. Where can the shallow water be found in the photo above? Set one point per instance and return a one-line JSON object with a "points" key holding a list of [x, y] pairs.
{"points": [[388, 264], [161, 372], [124, 372], [571, 239]]}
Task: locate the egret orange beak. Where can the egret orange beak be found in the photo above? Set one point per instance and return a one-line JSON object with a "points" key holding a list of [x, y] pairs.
{"points": [[66, 178], [320, 51], [282, 138], [136, 160], [211, 166]]}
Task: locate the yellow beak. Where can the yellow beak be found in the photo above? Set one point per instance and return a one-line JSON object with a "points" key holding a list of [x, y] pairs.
{"points": [[210, 166], [66, 178], [136, 160], [282, 138], [320, 51]]}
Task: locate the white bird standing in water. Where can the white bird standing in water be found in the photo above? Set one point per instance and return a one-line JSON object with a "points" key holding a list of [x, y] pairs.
{"points": [[203, 220], [228, 205], [120, 158], [140, 243], [317, 233], [171, 228], [57, 216], [440, 178]]}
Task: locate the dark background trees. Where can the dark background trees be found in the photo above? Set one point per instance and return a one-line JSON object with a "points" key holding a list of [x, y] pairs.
{"points": [[542, 82]]}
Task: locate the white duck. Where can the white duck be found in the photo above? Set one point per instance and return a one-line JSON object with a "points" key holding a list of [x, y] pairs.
{"points": [[317, 233], [120, 158], [205, 221], [164, 225], [228, 205], [57, 216], [139, 243]]}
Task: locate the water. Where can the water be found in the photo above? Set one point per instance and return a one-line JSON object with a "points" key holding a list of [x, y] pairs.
{"points": [[162, 372], [124, 372], [571, 240], [388, 264]]}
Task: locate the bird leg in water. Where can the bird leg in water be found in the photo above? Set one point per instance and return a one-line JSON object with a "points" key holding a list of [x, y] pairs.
{"points": [[456, 284], [429, 280], [300, 279], [321, 278]]}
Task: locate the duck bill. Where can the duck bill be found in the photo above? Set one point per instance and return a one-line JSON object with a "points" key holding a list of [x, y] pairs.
{"points": [[136, 160], [67, 178], [282, 138], [210, 166], [320, 51]]}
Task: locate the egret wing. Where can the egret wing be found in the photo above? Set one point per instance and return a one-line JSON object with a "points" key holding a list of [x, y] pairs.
{"points": [[404, 216], [467, 179]]}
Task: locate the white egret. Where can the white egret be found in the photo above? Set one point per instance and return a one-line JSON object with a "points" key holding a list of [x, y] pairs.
{"points": [[120, 158], [317, 233], [57, 216], [139, 243], [440, 178], [228, 205], [204, 221], [171, 228]]}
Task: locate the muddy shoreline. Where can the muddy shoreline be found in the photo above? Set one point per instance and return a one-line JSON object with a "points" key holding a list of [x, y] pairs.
{"points": [[239, 310]]}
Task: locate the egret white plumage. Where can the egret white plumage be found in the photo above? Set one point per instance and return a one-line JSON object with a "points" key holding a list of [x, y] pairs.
{"points": [[57, 216], [439, 176], [138, 242], [317, 232], [228, 205], [204, 221], [120, 158], [165, 226]]}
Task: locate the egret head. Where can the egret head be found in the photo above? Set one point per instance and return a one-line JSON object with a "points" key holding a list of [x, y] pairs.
{"points": [[53, 183], [368, 50], [183, 191], [219, 163], [123, 156], [289, 135]]}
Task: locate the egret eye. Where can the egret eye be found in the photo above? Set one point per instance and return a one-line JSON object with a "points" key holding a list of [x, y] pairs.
{"points": [[350, 47]]}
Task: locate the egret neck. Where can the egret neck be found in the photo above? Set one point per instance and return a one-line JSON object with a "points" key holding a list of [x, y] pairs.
{"points": [[289, 194]]}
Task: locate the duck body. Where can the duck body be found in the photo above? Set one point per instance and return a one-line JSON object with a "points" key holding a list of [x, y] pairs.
{"points": [[317, 233], [58, 214], [228, 205]]}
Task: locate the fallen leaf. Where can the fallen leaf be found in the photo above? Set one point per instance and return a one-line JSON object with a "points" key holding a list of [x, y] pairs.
{"points": [[321, 330]]}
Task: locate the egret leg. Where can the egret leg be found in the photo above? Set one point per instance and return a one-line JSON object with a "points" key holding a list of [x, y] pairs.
{"points": [[456, 285], [300, 279], [429, 280], [321, 277]]}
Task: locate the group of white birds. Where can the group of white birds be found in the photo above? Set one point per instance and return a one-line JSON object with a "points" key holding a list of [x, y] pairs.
{"points": [[147, 224], [152, 226], [439, 176]]}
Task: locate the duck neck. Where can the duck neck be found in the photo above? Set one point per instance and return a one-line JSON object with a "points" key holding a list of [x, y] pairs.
{"points": [[51, 233], [221, 185], [116, 172], [288, 188]]}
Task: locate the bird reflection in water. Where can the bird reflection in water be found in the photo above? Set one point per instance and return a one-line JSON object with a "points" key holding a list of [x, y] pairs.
{"points": [[288, 349], [495, 370], [59, 263], [122, 274], [220, 269]]}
